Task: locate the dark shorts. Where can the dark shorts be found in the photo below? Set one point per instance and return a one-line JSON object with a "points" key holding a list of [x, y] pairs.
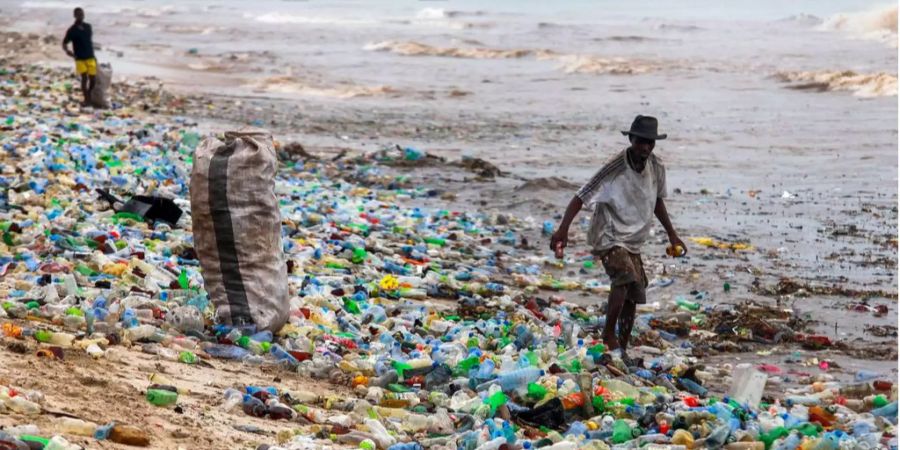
{"points": [[624, 268]]}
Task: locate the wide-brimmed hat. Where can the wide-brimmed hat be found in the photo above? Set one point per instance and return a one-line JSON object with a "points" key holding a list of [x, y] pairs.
{"points": [[645, 127]]}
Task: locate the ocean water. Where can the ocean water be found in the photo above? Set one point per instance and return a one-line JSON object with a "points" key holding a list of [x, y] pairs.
{"points": [[746, 90], [781, 115]]}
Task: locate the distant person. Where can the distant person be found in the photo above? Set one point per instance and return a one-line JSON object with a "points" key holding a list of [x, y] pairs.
{"points": [[80, 35], [626, 193]]}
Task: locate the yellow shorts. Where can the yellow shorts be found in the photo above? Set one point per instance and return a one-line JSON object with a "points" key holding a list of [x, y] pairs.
{"points": [[86, 65]]}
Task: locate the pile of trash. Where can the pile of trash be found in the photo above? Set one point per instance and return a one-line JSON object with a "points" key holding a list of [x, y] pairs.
{"points": [[448, 333]]}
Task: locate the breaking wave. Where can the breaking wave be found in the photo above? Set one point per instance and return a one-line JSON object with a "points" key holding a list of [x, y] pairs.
{"points": [[678, 27], [876, 24], [803, 19], [629, 38], [598, 65], [570, 63], [411, 48], [282, 19], [862, 85], [291, 85], [441, 13]]}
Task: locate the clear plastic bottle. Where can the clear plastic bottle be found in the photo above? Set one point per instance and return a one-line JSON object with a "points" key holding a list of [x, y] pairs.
{"points": [[22, 405], [517, 379], [77, 427], [186, 319]]}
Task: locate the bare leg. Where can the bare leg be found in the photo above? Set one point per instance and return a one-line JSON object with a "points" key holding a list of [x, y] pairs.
{"points": [[626, 323], [614, 308], [636, 294], [84, 88]]}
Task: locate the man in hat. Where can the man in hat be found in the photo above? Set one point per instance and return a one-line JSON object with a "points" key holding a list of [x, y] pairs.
{"points": [[80, 35], [626, 193]]}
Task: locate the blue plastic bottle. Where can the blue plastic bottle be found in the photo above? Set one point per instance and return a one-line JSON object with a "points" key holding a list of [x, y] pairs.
{"points": [[693, 387], [223, 351], [576, 429], [406, 446], [283, 357], [888, 411]]}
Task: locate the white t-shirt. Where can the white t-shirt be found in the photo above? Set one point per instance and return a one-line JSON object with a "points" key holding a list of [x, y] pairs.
{"points": [[623, 200]]}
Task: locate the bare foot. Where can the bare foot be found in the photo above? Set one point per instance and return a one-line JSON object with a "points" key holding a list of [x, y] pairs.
{"points": [[611, 343]]}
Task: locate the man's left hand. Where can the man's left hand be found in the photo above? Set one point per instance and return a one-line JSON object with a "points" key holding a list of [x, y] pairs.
{"points": [[675, 241]]}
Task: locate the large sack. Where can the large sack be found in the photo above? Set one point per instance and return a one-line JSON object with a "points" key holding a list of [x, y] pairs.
{"points": [[102, 81], [237, 228]]}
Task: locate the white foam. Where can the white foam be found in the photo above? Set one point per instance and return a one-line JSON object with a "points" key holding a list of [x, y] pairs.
{"points": [[281, 18], [47, 5], [860, 84], [291, 85], [432, 14], [877, 24]]}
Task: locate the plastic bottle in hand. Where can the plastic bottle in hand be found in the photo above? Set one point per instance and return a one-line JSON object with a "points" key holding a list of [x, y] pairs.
{"points": [[558, 250]]}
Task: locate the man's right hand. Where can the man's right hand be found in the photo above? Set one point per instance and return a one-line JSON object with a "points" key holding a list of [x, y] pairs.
{"points": [[71, 55], [558, 241]]}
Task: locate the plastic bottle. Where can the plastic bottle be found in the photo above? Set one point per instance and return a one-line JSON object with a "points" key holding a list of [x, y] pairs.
{"points": [[379, 433], [60, 443], [253, 406], [622, 432], [746, 445], [186, 319], [517, 379], [693, 387], [233, 397], [683, 437], [687, 304], [493, 444], [718, 437], [78, 427], [562, 445], [224, 351], [161, 397], [888, 411], [22, 405], [791, 442], [283, 357]]}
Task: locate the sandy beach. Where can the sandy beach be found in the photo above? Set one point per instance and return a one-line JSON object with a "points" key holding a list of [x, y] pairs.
{"points": [[793, 155]]}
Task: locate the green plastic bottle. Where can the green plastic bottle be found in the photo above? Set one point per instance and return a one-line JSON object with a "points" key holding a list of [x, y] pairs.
{"points": [[688, 305], [495, 401], [183, 280], [435, 241], [536, 392], [187, 357], [401, 367], [809, 429], [161, 397], [351, 306], [467, 364], [599, 403], [621, 432], [773, 435], [359, 255], [43, 335]]}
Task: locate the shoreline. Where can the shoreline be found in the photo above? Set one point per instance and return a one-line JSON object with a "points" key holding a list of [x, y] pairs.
{"points": [[753, 275]]}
